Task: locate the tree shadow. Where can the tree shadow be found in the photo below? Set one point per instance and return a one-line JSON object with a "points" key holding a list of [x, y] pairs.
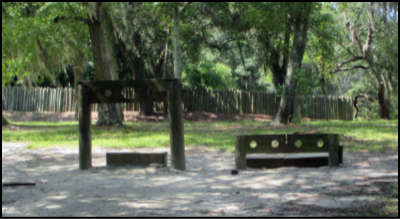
{"points": [[206, 188]]}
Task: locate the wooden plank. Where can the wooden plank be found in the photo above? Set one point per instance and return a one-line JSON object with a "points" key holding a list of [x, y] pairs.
{"points": [[48, 100], [286, 144], [114, 159], [10, 184], [17, 99], [294, 143], [4, 99], [276, 162], [261, 143], [111, 91], [24, 100]]}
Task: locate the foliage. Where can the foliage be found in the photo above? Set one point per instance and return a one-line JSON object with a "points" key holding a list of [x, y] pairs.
{"points": [[39, 39], [363, 41], [223, 45], [207, 74]]}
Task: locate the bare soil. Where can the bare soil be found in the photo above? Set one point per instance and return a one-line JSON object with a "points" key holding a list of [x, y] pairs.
{"points": [[359, 187]]}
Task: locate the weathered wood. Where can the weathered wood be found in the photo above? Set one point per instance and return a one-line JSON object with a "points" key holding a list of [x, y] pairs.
{"points": [[175, 116], [135, 159], [294, 143], [111, 91], [288, 161], [333, 146], [198, 99], [85, 142], [18, 184], [240, 153]]}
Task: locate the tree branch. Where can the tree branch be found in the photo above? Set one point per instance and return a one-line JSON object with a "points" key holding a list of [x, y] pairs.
{"points": [[351, 68], [367, 45], [352, 31], [356, 58], [62, 18]]}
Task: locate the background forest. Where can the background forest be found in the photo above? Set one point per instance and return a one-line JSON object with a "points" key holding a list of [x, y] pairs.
{"points": [[288, 48]]}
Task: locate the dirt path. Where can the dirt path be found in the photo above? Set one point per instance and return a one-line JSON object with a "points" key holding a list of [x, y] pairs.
{"points": [[206, 189]]}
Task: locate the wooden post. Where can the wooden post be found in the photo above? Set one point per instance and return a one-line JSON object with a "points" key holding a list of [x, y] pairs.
{"points": [[240, 154], [333, 144], [85, 144], [176, 125]]}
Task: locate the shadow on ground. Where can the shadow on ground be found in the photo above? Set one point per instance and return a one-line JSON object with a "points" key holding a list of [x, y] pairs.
{"points": [[206, 188]]}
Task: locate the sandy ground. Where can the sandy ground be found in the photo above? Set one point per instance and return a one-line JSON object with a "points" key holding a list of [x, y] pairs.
{"points": [[206, 188]]}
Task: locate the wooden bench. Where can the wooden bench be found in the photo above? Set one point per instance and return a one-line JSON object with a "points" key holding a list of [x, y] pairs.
{"points": [[292, 143]]}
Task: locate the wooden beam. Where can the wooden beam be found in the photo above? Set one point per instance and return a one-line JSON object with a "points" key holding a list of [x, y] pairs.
{"points": [[85, 144], [18, 184], [111, 91], [175, 110]]}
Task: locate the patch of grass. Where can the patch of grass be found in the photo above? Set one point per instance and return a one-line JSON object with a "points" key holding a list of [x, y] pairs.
{"points": [[391, 204], [360, 135]]}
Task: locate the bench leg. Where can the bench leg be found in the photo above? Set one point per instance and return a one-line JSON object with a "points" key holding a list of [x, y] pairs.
{"points": [[340, 154], [334, 157], [240, 161], [240, 156]]}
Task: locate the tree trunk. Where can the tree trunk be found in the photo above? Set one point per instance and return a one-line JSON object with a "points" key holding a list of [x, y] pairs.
{"points": [[146, 103], [241, 56], [78, 73], [372, 60], [355, 101], [108, 114], [286, 105], [177, 51], [135, 61], [279, 70]]}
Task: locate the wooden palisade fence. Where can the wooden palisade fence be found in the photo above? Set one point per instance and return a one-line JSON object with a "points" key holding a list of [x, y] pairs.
{"points": [[216, 101]]}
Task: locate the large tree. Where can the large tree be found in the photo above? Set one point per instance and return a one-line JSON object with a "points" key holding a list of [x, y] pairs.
{"points": [[299, 16], [142, 38], [369, 29], [53, 35], [102, 40]]}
